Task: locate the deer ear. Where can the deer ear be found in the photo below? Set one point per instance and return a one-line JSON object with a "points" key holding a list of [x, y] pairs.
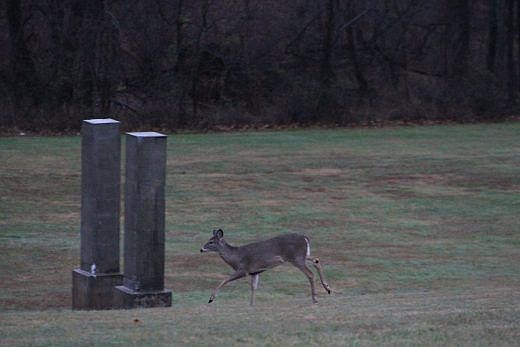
{"points": [[219, 233]]}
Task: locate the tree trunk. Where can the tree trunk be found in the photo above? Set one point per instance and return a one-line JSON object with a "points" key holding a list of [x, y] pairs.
{"points": [[179, 24], [24, 79], [460, 15], [326, 72], [250, 100], [358, 71], [179, 68], [518, 41], [510, 42], [493, 29], [196, 69]]}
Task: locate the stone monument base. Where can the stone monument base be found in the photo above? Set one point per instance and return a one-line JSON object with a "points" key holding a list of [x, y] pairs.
{"points": [[94, 291], [127, 298]]}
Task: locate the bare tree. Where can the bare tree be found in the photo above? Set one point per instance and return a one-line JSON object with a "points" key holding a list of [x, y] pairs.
{"points": [[201, 63]]}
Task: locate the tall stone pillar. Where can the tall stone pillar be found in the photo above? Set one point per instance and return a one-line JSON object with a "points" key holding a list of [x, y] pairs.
{"points": [[143, 284], [93, 283]]}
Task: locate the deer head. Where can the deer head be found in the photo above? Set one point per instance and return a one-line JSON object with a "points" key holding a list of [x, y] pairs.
{"points": [[215, 242]]}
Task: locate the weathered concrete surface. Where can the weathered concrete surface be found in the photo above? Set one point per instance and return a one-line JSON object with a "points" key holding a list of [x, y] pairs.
{"points": [[100, 195], [94, 292], [144, 221], [127, 298], [93, 283]]}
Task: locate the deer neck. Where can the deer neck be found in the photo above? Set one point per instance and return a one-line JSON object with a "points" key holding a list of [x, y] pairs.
{"points": [[230, 255]]}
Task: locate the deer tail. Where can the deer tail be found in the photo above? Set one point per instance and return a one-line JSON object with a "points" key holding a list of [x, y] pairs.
{"points": [[308, 246]]}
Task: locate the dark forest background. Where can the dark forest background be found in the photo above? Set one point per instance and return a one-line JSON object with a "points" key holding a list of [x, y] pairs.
{"points": [[202, 64]]}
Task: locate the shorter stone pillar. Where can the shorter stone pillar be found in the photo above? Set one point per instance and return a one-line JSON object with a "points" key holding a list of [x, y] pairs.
{"points": [[93, 283], [143, 283]]}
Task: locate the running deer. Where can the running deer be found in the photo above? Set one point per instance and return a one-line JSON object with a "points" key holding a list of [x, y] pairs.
{"points": [[254, 258]]}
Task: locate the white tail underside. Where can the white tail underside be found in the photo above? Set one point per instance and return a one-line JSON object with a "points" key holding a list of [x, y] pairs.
{"points": [[308, 247]]}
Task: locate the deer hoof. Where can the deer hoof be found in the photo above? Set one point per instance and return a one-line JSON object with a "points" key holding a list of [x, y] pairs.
{"points": [[327, 288]]}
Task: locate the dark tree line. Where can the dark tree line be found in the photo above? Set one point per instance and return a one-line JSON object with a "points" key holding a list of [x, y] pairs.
{"points": [[209, 63]]}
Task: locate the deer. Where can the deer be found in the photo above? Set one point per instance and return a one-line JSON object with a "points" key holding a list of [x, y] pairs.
{"points": [[254, 258]]}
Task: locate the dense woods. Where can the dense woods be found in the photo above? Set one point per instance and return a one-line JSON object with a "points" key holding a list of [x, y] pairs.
{"points": [[203, 64]]}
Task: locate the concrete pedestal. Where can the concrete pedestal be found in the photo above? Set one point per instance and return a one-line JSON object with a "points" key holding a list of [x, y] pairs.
{"points": [[94, 292], [127, 298]]}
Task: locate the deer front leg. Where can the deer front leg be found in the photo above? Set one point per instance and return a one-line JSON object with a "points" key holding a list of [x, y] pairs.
{"points": [[234, 276], [254, 285]]}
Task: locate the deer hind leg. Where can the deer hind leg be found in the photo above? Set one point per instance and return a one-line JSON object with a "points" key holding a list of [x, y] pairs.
{"points": [[317, 265], [310, 275], [254, 285]]}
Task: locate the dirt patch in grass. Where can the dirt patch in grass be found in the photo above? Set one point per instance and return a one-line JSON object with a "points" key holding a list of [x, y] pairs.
{"points": [[412, 179], [402, 186], [398, 193], [475, 183], [37, 301], [400, 181], [313, 189], [37, 278], [320, 172], [214, 175], [188, 262], [200, 271], [64, 217], [271, 202]]}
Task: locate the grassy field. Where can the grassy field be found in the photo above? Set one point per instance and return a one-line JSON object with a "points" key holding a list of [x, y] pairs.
{"points": [[418, 230]]}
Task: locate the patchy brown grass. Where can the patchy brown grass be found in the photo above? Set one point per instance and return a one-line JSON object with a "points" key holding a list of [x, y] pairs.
{"points": [[418, 241]]}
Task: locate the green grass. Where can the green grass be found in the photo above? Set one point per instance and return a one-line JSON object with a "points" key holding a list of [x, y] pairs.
{"points": [[417, 228]]}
